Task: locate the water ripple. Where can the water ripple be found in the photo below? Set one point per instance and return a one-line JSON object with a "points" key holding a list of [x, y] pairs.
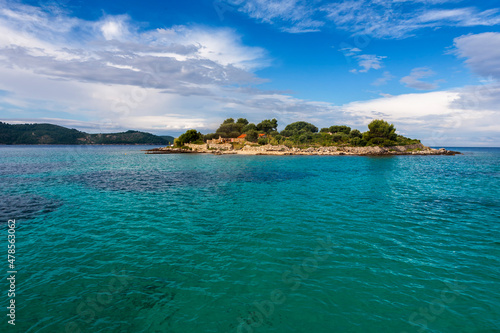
{"points": [[25, 207]]}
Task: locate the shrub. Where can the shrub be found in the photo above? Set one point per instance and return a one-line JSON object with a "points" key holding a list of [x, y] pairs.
{"points": [[301, 126], [337, 137], [268, 125], [237, 146], [358, 142], [340, 129], [355, 134], [252, 135], [263, 141], [249, 127], [189, 137], [379, 132], [210, 136]]}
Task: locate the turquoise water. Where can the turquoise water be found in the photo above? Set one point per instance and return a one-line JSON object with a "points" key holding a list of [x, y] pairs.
{"points": [[112, 240]]}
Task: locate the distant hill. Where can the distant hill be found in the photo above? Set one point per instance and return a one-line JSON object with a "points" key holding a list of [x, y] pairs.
{"points": [[35, 134], [169, 138]]}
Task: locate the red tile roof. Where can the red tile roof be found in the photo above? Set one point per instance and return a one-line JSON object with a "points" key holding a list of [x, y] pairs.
{"points": [[242, 136], [261, 134]]}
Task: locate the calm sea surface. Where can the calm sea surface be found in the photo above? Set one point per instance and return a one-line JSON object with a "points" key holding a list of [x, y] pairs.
{"points": [[109, 239]]}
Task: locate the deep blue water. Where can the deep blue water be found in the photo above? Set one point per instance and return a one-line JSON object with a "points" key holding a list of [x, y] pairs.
{"points": [[112, 240]]}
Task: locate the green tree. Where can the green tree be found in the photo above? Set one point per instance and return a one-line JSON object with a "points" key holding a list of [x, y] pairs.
{"points": [[231, 129], [337, 137], [268, 125], [380, 132], [305, 137], [355, 134], [190, 136], [249, 127], [210, 136], [252, 135], [227, 129], [301, 126], [339, 129]]}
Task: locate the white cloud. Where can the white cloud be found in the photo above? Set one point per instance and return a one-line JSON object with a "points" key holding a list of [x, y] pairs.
{"points": [[55, 66], [369, 61], [112, 51], [294, 16], [108, 75], [408, 106], [462, 17], [390, 19], [443, 118], [376, 18], [482, 53], [365, 61], [414, 79], [114, 27], [102, 76], [386, 77]]}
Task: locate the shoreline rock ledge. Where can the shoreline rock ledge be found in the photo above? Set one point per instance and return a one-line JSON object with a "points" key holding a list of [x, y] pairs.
{"points": [[252, 149]]}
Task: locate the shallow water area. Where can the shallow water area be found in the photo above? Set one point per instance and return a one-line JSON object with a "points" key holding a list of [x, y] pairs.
{"points": [[110, 239]]}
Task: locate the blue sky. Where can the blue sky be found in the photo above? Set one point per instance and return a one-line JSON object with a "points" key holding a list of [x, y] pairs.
{"points": [[431, 67]]}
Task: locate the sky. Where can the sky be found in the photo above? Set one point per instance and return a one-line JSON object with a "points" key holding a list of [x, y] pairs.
{"points": [[430, 67]]}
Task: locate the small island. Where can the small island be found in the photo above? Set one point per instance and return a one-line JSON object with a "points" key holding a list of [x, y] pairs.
{"points": [[299, 138]]}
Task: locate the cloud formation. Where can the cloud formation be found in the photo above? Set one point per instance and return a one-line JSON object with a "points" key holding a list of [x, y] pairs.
{"points": [[414, 80], [294, 16], [107, 72], [376, 18], [110, 74], [464, 117], [481, 53], [386, 77], [365, 61], [111, 51]]}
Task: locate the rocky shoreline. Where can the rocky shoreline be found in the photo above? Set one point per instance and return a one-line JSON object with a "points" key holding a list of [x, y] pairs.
{"points": [[226, 149]]}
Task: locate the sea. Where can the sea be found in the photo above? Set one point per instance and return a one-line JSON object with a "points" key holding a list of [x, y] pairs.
{"points": [[110, 239]]}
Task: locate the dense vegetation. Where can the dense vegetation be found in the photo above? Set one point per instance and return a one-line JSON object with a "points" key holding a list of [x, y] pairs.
{"points": [[33, 134], [191, 136], [303, 134]]}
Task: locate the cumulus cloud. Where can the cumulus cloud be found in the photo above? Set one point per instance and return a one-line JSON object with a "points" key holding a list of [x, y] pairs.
{"points": [[114, 27], [443, 118], [58, 67], [414, 80], [111, 51], [481, 53]]}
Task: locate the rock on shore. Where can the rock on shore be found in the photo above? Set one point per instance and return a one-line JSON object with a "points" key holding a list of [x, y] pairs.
{"points": [[251, 149]]}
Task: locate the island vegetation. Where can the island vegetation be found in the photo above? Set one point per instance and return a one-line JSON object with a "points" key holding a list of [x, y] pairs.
{"points": [[34, 134], [298, 138], [299, 134]]}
